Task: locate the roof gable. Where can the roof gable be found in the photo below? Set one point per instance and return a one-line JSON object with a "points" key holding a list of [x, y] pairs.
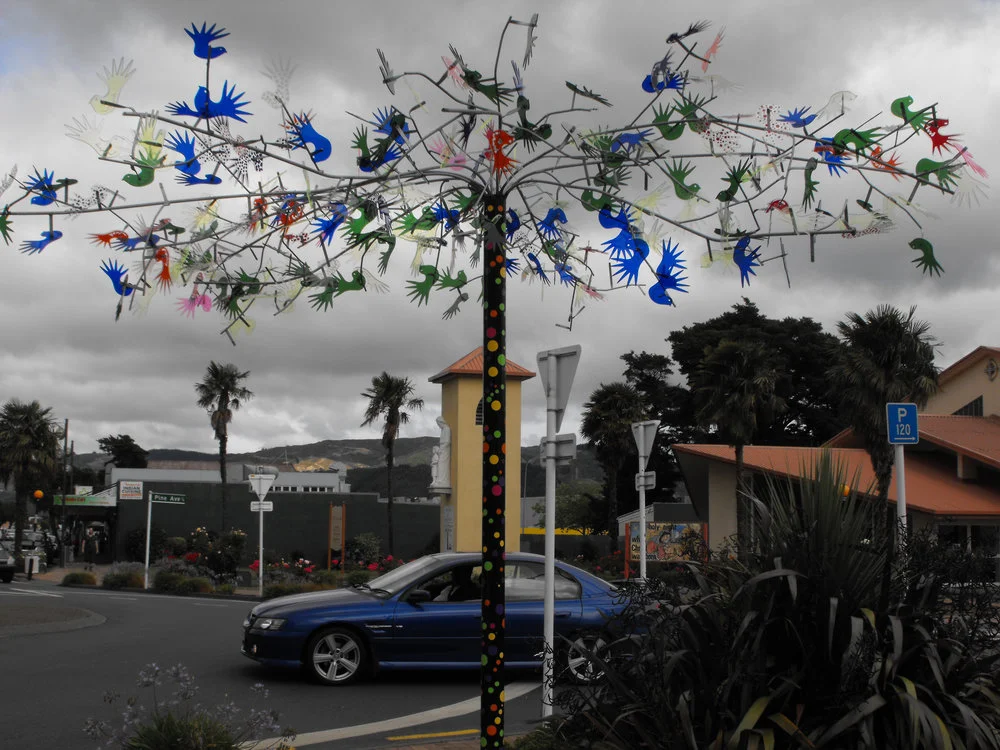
{"points": [[957, 368], [472, 364]]}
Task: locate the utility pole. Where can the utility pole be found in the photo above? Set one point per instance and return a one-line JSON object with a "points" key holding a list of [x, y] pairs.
{"points": [[65, 482]]}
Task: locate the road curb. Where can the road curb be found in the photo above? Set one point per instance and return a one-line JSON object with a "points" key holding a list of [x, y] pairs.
{"points": [[91, 620], [222, 597]]}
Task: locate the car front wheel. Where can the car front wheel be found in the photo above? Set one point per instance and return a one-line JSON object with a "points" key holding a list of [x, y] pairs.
{"points": [[336, 656], [7, 577], [579, 664]]}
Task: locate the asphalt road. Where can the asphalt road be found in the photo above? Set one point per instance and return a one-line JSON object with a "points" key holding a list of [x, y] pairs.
{"points": [[52, 682]]}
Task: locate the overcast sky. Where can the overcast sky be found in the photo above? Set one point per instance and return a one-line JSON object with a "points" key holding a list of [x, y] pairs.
{"points": [[59, 342]]}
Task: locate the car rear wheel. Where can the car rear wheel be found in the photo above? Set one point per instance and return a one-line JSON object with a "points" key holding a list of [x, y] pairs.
{"points": [[336, 656], [7, 576], [579, 665]]}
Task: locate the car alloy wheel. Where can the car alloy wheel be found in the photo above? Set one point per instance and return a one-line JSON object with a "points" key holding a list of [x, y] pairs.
{"points": [[336, 656], [580, 665]]}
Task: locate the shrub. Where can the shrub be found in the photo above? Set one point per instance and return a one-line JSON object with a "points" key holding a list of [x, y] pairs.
{"points": [[226, 588], [200, 541], [226, 553], [357, 577], [124, 575], [135, 543], [364, 548], [175, 721], [326, 577], [175, 546], [197, 585], [543, 738], [167, 581], [78, 578]]}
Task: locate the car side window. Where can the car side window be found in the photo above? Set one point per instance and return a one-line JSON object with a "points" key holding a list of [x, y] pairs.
{"points": [[525, 581], [459, 583]]}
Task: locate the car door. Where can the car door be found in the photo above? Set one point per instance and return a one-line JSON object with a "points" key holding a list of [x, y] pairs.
{"points": [[441, 631], [525, 609]]}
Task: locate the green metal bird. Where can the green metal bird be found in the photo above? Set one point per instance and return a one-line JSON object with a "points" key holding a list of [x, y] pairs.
{"points": [[901, 108], [421, 290], [671, 131], [678, 173], [927, 263], [5, 225], [945, 172], [447, 281], [809, 194], [734, 177]]}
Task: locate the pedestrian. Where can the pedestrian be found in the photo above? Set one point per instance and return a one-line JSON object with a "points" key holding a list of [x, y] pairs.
{"points": [[89, 549]]}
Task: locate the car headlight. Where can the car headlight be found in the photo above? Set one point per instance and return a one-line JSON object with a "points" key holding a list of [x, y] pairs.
{"points": [[269, 623]]}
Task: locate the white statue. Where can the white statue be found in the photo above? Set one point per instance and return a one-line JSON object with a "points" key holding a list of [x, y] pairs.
{"points": [[441, 459]]}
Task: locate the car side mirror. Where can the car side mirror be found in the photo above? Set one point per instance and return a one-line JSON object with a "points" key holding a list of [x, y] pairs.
{"points": [[418, 596]]}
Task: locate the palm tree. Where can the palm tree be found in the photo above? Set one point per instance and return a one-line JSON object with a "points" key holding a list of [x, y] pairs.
{"points": [[887, 357], [29, 446], [388, 397], [734, 392], [221, 392], [607, 425]]}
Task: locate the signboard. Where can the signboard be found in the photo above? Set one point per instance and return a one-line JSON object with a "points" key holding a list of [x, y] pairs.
{"points": [[668, 541], [645, 480], [448, 522], [261, 506], [901, 421], [129, 490], [260, 484], [85, 501], [81, 489], [645, 435], [337, 527], [169, 498]]}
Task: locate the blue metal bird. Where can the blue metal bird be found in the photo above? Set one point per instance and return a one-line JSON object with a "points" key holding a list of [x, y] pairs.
{"points": [[229, 105], [618, 221], [511, 265], [797, 118], [391, 122], [547, 226], [116, 272], [629, 141], [190, 166], [668, 276], [537, 268], [450, 216], [513, 224], [129, 244], [746, 261], [326, 227], [565, 273], [43, 184], [627, 268], [303, 135], [203, 39], [671, 81], [36, 246]]}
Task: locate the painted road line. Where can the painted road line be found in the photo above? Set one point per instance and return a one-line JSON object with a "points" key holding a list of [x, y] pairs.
{"points": [[514, 690], [433, 735], [201, 604], [37, 593], [124, 598]]}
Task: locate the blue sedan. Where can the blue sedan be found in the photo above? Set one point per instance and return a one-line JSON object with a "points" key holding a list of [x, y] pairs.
{"points": [[426, 615]]}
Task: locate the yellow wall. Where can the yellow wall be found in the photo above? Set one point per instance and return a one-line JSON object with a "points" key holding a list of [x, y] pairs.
{"points": [[965, 387], [721, 503], [459, 399]]}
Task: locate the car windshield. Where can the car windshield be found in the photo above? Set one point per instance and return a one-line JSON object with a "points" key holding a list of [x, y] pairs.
{"points": [[396, 580]]}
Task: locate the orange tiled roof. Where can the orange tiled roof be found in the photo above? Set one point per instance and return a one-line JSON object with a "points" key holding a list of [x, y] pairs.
{"points": [[966, 362], [472, 364], [930, 487], [975, 437]]}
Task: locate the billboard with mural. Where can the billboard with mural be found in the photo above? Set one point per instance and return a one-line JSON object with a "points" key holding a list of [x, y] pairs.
{"points": [[666, 542]]}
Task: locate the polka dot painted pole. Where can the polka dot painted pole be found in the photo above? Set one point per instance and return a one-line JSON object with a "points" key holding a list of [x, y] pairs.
{"points": [[494, 475]]}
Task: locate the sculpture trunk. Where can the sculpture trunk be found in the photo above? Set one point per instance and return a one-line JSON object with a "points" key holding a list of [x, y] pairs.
{"points": [[494, 472], [388, 505]]}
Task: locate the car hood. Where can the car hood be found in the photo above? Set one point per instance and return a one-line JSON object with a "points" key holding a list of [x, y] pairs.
{"points": [[313, 600]]}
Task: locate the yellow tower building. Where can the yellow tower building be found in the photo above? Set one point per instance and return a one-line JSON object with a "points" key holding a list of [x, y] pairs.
{"points": [[462, 410]]}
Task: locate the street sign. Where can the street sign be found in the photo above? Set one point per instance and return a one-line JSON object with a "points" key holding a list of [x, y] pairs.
{"points": [[129, 489], [645, 480], [901, 420], [563, 362], [261, 506], [169, 498], [565, 447], [645, 435], [260, 484]]}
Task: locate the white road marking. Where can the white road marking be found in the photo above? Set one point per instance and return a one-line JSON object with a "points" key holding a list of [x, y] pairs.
{"points": [[124, 598], [38, 593], [514, 690], [201, 604]]}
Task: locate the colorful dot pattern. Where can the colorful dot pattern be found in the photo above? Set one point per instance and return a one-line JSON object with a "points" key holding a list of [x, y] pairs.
{"points": [[494, 479]]}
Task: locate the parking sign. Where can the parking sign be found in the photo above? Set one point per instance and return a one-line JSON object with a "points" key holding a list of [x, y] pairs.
{"points": [[901, 420]]}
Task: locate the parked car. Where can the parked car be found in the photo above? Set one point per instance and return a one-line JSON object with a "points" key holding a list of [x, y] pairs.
{"points": [[7, 566], [426, 615]]}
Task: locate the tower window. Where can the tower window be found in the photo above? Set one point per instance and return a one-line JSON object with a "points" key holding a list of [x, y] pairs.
{"points": [[972, 409], [479, 412]]}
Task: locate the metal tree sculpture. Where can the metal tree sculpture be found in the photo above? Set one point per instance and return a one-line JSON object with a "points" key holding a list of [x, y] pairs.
{"points": [[495, 180]]}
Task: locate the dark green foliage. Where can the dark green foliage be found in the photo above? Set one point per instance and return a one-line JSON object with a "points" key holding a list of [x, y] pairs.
{"points": [[802, 352], [357, 577], [364, 548], [124, 575], [168, 731], [788, 648], [135, 543], [175, 546], [123, 451]]}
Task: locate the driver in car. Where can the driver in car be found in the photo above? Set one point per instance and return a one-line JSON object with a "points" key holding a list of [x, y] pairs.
{"points": [[462, 588]]}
